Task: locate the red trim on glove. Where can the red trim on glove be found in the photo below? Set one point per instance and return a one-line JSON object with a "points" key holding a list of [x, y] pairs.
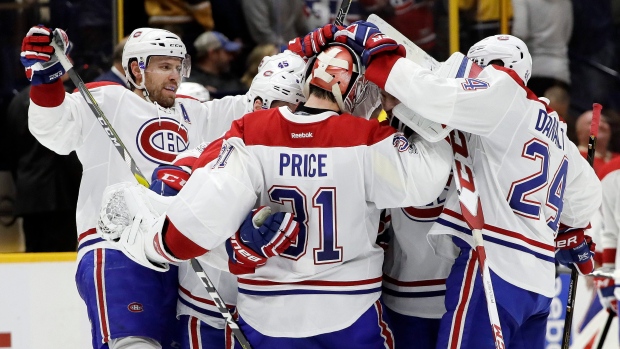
{"points": [[609, 256], [380, 67], [178, 244], [48, 95]]}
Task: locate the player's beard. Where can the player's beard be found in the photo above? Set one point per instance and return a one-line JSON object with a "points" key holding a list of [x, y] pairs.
{"points": [[161, 95]]}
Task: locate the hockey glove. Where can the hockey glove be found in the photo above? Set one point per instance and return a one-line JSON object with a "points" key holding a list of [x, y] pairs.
{"points": [[605, 289], [368, 41], [38, 57], [313, 42], [261, 235], [573, 246], [167, 180]]}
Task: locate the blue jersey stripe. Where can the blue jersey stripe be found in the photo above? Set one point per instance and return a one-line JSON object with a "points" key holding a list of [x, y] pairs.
{"points": [[89, 242], [215, 314], [426, 294], [497, 241], [461, 72]]}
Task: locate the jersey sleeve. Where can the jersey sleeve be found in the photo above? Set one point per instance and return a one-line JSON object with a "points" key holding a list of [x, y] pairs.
{"points": [[401, 172], [56, 121], [582, 196], [220, 115], [475, 105], [214, 201], [611, 219]]}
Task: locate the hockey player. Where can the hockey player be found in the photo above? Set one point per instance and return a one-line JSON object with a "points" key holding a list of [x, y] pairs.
{"points": [[155, 126], [414, 278], [610, 181], [323, 291], [278, 83], [531, 179]]}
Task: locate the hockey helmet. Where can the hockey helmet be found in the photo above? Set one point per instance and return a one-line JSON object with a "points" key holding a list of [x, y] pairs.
{"points": [[278, 79], [287, 61], [338, 69], [146, 42], [507, 48], [194, 89]]}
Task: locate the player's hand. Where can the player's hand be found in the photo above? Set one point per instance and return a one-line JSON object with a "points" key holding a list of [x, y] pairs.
{"points": [[574, 247], [167, 180], [605, 289], [313, 42], [368, 41], [262, 235], [37, 55]]}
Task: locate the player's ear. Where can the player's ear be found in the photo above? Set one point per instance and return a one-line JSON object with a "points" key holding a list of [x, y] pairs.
{"points": [[135, 70]]}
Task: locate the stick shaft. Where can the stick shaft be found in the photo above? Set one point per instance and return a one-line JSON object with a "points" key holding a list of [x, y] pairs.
{"points": [[574, 275], [342, 12]]}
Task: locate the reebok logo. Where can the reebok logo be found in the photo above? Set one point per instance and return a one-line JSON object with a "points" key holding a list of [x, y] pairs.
{"points": [[302, 135]]}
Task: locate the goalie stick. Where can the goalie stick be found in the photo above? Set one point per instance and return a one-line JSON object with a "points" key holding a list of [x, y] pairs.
{"points": [[574, 275], [122, 150]]}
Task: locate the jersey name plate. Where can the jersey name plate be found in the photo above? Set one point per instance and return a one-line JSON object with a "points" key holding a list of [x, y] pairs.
{"points": [[310, 164]]}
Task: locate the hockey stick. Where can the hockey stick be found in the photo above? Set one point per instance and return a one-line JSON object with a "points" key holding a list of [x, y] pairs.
{"points": [[574, 275], [471, 208], [122, 150], [342, 12], [610, 318], [90, 100]]}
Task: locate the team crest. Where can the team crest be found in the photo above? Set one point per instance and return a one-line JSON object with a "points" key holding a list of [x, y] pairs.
{"points": [[400, 142], [161, 139]]}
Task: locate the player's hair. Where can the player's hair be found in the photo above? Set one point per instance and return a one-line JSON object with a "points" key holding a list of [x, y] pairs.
{"points": [[322, 94]]}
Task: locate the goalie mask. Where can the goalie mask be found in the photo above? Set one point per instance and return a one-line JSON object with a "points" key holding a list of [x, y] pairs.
{"points": [[146, 42], [339, 70], [506, 48]]}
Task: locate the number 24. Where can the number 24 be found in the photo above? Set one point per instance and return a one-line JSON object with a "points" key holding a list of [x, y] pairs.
{"points": [[537, 150]]}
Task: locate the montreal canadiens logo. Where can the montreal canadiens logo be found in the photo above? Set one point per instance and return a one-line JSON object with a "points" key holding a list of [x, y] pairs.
{"points": [[161, 139], [400, 142], [135, 307]]}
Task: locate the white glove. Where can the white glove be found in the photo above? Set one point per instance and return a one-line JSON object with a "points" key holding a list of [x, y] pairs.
{"points": [[132, 217]]}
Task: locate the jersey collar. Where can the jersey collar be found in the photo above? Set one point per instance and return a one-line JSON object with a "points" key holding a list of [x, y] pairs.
{"points": [[306, 118]]}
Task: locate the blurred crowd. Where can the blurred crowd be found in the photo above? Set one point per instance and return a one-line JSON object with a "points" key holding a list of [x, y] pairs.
{"points": [[574, 45]]}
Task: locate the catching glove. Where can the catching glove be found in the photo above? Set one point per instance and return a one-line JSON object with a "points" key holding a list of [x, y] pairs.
{"points": [[261, 235], [368, 41], [313, 42], [574, 247], [37, 56]]}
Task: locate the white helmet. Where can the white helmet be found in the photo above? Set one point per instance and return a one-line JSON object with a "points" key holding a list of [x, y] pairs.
{"points": [[276, 86], [507, 48], [145, 42], [194, 89], [278, 79], [287, 61]]}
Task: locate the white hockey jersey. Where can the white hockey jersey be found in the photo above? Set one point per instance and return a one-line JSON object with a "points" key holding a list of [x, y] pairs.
{"points": [[414, 278], [335, 183], [530, 176], [610, 182], [153, 135]]}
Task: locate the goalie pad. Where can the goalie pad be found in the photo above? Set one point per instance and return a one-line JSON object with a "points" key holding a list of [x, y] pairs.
{"points": [[132, 217]]}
